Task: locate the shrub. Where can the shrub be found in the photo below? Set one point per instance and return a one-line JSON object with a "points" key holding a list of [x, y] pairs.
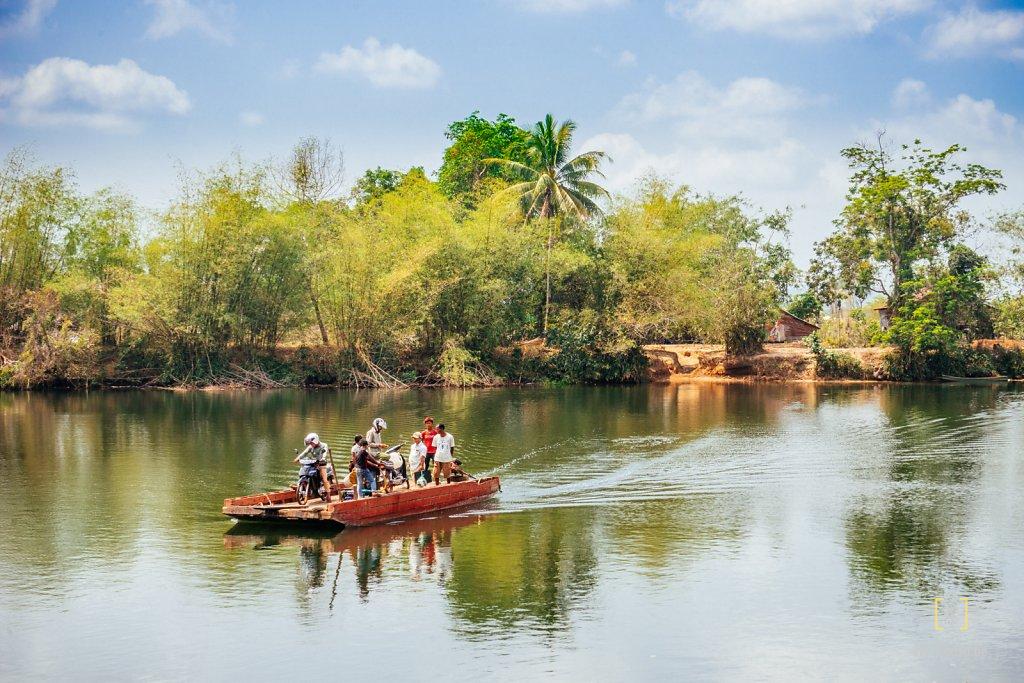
{"points": [[458, 367], [1009, 320], [591, 351], [962, 361], [1009, 362], [832, 364]]}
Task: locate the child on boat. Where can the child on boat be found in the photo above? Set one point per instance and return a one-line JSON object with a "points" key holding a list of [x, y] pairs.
{"points": [[418, 459]]}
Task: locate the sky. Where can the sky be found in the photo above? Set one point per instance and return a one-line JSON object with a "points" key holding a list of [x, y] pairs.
{"points": [[750, 97]]}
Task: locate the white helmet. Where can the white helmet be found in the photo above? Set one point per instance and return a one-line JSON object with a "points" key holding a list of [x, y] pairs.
{"points": [[312, 438], [379, 423]]}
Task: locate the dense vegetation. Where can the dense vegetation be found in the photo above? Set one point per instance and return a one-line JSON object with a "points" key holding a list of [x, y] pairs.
{"points": [[513, 265], [902, 235]]}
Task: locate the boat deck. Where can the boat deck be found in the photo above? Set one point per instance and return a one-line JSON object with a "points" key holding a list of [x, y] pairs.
{"points": [[401, 502]]}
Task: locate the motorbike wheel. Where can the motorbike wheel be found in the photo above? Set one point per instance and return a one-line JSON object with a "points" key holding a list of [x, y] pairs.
{"points": [[303, 492]]}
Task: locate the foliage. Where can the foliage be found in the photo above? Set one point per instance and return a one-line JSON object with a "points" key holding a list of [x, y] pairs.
{"points": [[686, 266], [832, 364], [851, 331], [805, 306], [1009, 319], [1008, 361], [262, 274], [458, 367], [54, 351], [590, 351], [223, 272], [464, 171], [549, 183], [552, 187], [895, 219], [38, 208], [375, 183]]}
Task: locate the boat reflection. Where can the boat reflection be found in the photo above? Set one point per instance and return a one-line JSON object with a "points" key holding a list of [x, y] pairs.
{"points": [[425, 542]]}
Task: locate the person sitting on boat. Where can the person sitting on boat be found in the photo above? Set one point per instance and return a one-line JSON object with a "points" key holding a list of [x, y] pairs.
{"points": [[418, 459], [320, 452], [367, 469], [458, 474], [397, 474], [373, 437], [352, 460]]}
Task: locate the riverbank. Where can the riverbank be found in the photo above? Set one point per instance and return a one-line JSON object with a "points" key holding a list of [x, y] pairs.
{"points": [[526, 363], [786, 362]]}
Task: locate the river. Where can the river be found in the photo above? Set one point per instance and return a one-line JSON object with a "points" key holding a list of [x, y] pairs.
{"points": [[700, 531]]}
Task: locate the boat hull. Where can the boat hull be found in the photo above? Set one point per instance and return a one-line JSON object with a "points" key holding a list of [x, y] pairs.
{"points": [[282, 506], [975, 380]]}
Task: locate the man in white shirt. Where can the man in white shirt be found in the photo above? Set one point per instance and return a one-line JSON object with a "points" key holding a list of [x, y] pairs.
{"points": [[418, 459], [444, 444]]}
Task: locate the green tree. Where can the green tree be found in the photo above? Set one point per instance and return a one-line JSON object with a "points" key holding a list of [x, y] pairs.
{"points": [[551, 185], [899, 214], [311, 176], [805, 305], [37, 207], [375, 183], [474, 140], [689, 266]]}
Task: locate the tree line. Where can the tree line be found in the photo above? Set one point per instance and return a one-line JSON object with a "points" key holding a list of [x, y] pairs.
{"points": [[512, 263]]}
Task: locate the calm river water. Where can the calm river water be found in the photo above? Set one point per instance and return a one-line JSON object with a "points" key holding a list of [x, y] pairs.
{"points": [[704, 531]]}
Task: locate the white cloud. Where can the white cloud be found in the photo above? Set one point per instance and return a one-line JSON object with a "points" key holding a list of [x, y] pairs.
{"points": [[972, 122], [391, 66], [910, 93], [804, 19], [174, 16], [565, 6], [626, 58], [974, 31], [28, 19], [252, 119], [60, 91], [991, 137], [748, 108]]}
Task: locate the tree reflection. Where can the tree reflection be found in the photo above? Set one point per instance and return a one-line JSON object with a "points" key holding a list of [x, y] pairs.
{"points": [[529, 569], [908, 538]]}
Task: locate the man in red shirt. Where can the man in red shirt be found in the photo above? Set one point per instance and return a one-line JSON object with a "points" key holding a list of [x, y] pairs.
{"points": [[428, 439]]}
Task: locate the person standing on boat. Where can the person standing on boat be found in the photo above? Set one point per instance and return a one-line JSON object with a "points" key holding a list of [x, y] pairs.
{"points": [[367, 469], [428, 434], [319, 451], [444, 453], [418, 459], [373, 437]]}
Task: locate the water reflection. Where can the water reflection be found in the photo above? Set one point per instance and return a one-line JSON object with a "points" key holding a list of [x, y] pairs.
{"points": [[710, 525], [909, 538]]}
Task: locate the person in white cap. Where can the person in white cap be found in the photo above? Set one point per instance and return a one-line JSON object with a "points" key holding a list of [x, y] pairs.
{"points": [[418, 459]]}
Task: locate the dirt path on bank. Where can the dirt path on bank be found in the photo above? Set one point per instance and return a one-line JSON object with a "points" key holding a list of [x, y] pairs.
{"points": [[792, 361]]}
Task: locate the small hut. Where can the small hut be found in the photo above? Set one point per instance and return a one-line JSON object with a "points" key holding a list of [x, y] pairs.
{"points": [[884, 315], [788, 327]]}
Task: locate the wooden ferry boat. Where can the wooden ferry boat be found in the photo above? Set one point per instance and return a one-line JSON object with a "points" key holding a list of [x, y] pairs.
{"points": [[283, 506]]}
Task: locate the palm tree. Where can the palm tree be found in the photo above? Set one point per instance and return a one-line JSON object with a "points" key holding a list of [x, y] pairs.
{"points": [[551, 185]]}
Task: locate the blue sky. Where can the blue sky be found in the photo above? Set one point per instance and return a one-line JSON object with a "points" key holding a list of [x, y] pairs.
{"points": [[727, 96]]}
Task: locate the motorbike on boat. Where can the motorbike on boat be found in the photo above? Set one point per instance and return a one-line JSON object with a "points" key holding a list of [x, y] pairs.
{"points": [[310, 481]]}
